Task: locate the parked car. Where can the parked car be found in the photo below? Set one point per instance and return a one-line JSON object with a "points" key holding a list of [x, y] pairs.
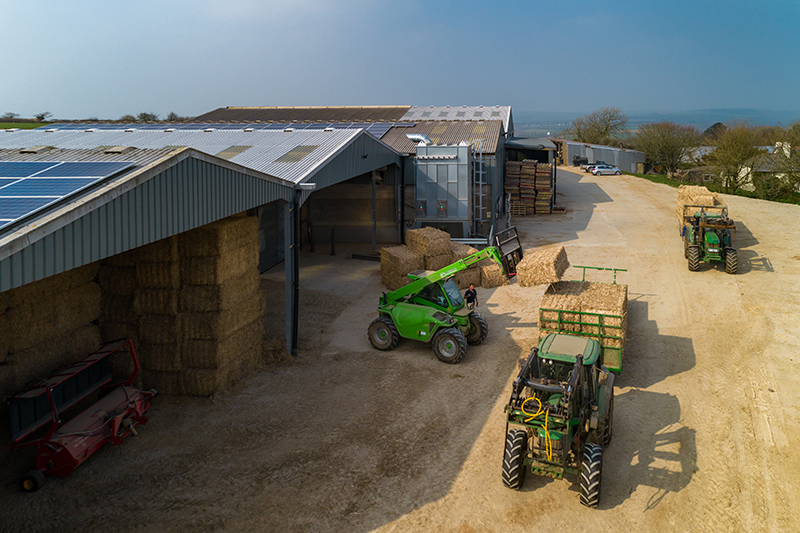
{"points": [[587, 167], [578, 160], [605, 169]]}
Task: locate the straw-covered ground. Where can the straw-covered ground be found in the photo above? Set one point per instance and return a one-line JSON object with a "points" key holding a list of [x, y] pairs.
{"points": [[347, 438]]}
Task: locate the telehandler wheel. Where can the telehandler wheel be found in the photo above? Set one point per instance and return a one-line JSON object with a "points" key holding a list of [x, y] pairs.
{"points": [[514, 457], [383, 333], [731, 261], [449, 345], [591, 474], [478, 328], [694, 258], [608, 429]]}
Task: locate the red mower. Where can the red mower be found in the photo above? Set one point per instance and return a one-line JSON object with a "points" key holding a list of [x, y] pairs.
{"points": [[112, 418]]}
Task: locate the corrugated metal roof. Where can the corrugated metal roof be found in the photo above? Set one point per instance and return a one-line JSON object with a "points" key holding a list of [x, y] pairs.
{"points": [[305, 114], [497, 112], [267, 145], [452, 132]]}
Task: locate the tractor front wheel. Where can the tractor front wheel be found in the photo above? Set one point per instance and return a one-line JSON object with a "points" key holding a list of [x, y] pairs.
{"points": [[478, 328], [591, 474], [383, 333], [449, 345], [731, 261], [694, 258], [514, 458]]}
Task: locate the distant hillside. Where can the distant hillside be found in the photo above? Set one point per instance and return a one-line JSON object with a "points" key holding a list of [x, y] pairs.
{"points": [[538, 123]]}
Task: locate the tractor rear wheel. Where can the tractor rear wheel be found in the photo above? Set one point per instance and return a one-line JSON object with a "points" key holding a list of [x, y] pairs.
{"points": [[478, 328], [449, 345], [591, 474], [514, 458], [33, 481], [731, 261], [694, 258], [608, 429], [383, 333]]}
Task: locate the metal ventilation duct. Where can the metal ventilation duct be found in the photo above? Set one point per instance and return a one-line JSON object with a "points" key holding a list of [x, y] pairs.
{"points": [[419, 137]]}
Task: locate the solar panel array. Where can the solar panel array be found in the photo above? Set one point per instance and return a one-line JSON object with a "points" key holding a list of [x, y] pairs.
{"points": [[378, 129], [29, 186]]}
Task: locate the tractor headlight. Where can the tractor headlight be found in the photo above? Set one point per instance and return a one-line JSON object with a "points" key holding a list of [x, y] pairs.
{"points": [[713, 250]]}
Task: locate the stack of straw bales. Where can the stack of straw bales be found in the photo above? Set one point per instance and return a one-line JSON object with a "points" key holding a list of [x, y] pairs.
{"points": [[541, 266], [155, 303], [47, 325], [222, 308], [696, 195], [433, 244], [580, 298], [396, 263], [471, 275]]}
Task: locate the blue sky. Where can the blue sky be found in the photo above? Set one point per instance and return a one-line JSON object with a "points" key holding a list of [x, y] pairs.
{"points": [[80, 59]]}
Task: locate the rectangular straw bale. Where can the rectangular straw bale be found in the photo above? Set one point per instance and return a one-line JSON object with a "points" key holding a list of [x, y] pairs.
{"points": [[428, 241], [159, 329], [219, 237], [396, 262], [210, 354], [607, 299], [165, 357], [492, 276], [541, 266], [125, 259], [117, 280], [214, 270], [467, 277], [43, 289], [163, 251], [202, 382], [221, 324], [202, 298], [460, 251], [165, 275], [36, 322], [5, 337], [113, 331], [438, 262], [156, 302], [44, 359], [118, 308], [164, 382], [564, 296], [5, 297]]}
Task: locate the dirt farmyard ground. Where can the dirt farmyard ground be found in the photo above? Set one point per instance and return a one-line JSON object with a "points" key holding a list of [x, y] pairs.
{"points": [[347, 438]]}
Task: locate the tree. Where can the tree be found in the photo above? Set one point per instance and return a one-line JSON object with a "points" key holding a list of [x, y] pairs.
{"points": [[786, 159], [10, 115], [41, 117], [174, 117], [735, 154], [147, 117], [714, 131], [127, 118], [666, 143], [603, 126]]}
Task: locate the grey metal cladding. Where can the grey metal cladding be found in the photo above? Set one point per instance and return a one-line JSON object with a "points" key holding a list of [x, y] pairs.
{"points": [[182, 197]]}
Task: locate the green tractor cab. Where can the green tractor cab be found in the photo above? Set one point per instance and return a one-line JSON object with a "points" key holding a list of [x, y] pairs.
{"points": [[708, 237], [560, 414], [432, 309]]}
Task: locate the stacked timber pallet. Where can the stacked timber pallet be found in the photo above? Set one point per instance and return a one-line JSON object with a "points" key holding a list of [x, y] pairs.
{"points": [[527, 185], [511, 184], [544, 191], [432, 249], [696, 195], [47, 324], [222, 308]]}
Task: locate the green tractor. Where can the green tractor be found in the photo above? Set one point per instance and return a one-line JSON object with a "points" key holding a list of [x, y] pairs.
{"points": [[432, 309], [560, 414], [708, 237]]}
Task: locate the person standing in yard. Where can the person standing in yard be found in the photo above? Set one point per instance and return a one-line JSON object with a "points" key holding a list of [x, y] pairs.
{"points": [[471, 296]]}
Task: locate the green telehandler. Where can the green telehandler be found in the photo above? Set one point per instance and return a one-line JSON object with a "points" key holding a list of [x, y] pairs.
{"points": [[561, 413], [432, 309], [707, 237]]}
